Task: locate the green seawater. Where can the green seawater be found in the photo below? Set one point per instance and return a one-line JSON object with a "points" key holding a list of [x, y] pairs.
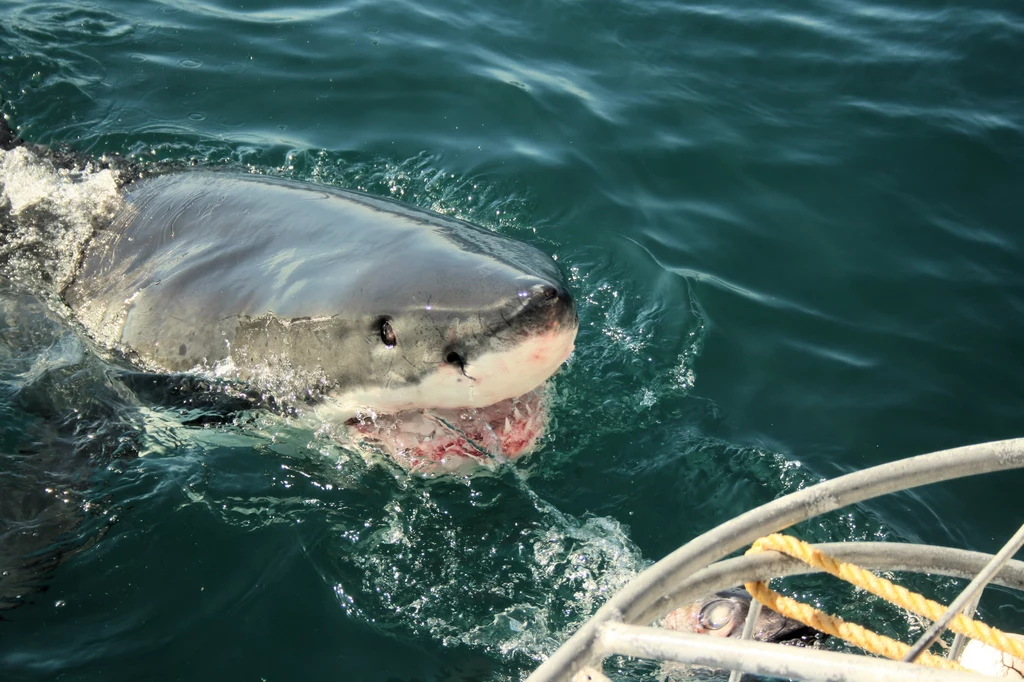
{"points": [[795, 233]]}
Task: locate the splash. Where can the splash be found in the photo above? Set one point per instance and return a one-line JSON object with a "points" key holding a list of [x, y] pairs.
{"points": [[513, 585], [48, 215]]}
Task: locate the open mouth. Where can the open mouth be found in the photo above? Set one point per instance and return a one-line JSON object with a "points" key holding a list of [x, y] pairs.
{"points": [[440, 440]]}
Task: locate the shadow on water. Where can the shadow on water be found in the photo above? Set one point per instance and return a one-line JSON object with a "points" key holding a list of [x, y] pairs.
{"points": [[67, 416], [59, 410]]}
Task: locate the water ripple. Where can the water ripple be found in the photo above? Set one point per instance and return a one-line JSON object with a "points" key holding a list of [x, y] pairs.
{"points": [[792, 232]]}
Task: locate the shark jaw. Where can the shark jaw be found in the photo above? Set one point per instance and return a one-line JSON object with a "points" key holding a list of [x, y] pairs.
{"points": [[453, 440], [503, 415]]}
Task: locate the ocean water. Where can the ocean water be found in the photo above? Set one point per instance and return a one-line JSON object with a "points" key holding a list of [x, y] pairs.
{"points": [[794, 232]]}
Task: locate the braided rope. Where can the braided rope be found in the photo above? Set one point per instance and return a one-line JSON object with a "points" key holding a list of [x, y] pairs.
{"points": [[837, 627], [855, 634]]}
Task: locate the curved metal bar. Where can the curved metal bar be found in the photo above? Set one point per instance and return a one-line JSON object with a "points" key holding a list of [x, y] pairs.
{"points": [[948, 561], [760, 658], [966, 597], [889, 556], [644, 593]]}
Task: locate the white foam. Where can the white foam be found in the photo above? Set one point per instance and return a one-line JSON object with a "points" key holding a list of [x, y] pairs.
{"points": [[52, 214]]}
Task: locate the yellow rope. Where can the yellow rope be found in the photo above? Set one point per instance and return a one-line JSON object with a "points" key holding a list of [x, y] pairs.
{"points": [[837, 627], [880, 587]]}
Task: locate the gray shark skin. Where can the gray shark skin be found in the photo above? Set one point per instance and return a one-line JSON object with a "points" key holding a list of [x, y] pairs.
{"points": [[378, 304]]}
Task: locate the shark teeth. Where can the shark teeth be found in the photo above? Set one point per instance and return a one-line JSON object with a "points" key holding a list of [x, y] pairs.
{"points": [[438, 441]]}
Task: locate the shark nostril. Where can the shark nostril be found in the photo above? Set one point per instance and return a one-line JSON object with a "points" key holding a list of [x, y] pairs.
{"points": [[540, 293], [551, 300]]}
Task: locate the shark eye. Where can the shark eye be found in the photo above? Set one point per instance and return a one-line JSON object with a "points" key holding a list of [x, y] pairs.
{"points": [[454, 358], [387, 334]]}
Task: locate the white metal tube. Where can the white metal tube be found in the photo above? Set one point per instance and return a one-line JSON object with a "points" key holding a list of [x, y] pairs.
{"points": [[970, 592], [759, 658], [891, 556], [748, 632], [644, 593], [961, 639]]}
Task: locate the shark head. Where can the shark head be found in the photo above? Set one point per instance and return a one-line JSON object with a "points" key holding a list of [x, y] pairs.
{"points": [[451, 359]]}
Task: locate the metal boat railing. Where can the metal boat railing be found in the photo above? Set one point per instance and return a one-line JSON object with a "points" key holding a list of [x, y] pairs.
{"points": [[623, 625]]}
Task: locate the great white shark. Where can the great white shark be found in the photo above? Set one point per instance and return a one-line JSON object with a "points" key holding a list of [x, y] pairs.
{"points": [[424, 334]]}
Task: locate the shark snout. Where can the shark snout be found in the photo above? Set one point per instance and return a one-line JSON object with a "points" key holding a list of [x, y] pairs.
{"points": [[550, 300]]}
